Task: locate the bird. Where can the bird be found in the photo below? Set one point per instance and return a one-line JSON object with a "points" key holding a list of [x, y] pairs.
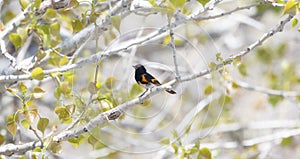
{"points": [[146, 80]]}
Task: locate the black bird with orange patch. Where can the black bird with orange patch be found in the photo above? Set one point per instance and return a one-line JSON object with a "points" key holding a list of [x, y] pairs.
{"points": [[146, 80]]}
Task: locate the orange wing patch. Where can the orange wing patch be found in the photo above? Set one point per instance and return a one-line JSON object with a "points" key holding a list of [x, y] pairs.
{"points": [[144, 80]]}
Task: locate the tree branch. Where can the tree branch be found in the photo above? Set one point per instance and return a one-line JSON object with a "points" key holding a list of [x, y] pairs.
{"points": [[114, 113]]}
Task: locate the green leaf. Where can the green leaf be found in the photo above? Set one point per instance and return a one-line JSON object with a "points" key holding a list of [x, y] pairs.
{"points": [[25, 123], [77, 25], [242, 69], [110, 82], [13, 91], [208, 89], [226, 99], [2, 139], [50, 13], [165, 141], [175, 147], [22, 87], [38, 92], [37, 73], [92, 140], [42, 124], [55, 147], [188, 129], [15, 39], [274, 100], [286, 141], [12, 127], [55, 35], [212, 65], [290, 7], [204, 153], [24, 3], [72, 4], [203, 2], [64, 61], [64, 88], [264, 55], [76, 141], [62, 112], [178, 3], [57, 93], [36, 4], [294, 22], [116, 22]]}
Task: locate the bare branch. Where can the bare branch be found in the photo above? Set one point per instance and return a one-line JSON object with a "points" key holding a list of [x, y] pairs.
{"points": [[239, 55], [266, 90], [229, 12], [172, 44]]}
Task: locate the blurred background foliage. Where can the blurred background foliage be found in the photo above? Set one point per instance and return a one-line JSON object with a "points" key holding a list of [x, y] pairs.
{"points": [[229, 113]]}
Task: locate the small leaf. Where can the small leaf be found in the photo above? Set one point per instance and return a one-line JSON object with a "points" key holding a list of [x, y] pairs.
{"points": [[274, 100], [298, 98], [37, 73], [25, 123], [286, 141], [76, 141], [24, 3], [110, 82], [42, 124], [175, 147], [203, 2], [15, 39], [64, 88], [242, 69], [294, 22], [64, 61], [166, 40], [178, 3], [57, 93], [92, 140], [36, 4], [22, 87], [165, 141], [62, 112], [208, 89], [77, 25], [72, 4], [2, 139], [38, 92], [188, 129], [116, 22], [50, 13], [212, 65], [12, 127], [13, 91], [55, 147], [204, 153], [226, 99], [290, 7]]}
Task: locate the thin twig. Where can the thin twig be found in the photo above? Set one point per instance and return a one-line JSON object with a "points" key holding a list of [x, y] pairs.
{"points": [[172, 44], [229, 12], [266, 90], [4, 52]]}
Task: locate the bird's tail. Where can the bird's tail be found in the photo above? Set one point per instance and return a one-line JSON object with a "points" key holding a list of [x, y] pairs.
{"points": [[170, 91]]}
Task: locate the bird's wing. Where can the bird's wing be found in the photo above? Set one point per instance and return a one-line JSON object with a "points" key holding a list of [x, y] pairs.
{"points": [[152, 79]]}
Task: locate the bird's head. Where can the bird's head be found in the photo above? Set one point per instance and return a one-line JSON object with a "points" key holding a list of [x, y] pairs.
{"points": [[139, 67]]}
